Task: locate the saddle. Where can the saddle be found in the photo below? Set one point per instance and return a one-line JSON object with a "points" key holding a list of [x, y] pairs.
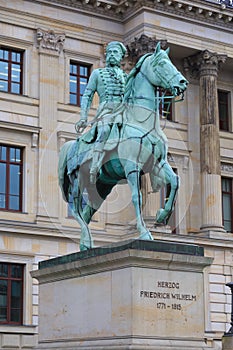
{"points": [[82, 150]]}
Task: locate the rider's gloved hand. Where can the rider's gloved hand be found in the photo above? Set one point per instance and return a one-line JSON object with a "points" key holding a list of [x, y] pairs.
{"points": [[81, 125]]}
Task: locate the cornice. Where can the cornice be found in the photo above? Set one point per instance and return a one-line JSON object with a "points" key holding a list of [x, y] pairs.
{"points": [[206, 11], [32, 229], [201, 11]]}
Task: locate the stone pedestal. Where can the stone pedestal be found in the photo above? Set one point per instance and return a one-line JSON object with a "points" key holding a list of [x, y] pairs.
{"points": [[137, 295]]}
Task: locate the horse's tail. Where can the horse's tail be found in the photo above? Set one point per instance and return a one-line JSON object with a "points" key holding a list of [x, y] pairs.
{"points": [[63, 178]]}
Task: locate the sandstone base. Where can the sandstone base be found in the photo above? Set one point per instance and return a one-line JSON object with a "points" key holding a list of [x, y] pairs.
{"points": [[130, 296]]}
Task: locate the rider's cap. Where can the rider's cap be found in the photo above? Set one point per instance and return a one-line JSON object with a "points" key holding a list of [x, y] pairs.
{"points": [[119, 44]]}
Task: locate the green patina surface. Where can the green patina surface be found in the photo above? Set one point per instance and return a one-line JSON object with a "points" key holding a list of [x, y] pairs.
{"points": [[125, 140], [155, 246]]}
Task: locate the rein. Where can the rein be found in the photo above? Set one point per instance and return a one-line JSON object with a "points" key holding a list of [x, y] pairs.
{"points": [[160, 99], [163, 97]]}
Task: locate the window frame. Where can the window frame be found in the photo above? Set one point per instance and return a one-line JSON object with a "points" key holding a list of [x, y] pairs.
{"points": [[230, 194], [168, 111], [9, 280], [10, 62], [77, 93], [7, 185], [70, 207], [226, 104], [71, 202]]}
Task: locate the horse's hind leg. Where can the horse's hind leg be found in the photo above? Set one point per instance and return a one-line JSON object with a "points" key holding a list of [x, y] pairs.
{"points": [[171, 178], [133, 179], [97, 197], [86, 238], [88, 212]]}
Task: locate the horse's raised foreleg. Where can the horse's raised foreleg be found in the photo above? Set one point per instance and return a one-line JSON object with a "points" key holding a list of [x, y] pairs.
{"points": [[86, 238], [133, 179], [171, 178]]}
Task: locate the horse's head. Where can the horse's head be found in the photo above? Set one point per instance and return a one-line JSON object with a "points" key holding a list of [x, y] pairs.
{"points": [[161, 72]]}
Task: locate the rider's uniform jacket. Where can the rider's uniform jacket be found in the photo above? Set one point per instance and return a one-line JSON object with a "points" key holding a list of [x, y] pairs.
{"points": [[109, 83]]}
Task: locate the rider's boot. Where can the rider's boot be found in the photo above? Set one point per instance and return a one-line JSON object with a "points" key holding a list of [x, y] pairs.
{"points": [[95, 165]]}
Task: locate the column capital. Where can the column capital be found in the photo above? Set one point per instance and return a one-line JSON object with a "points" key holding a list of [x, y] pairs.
{"points": [[50, 42], [204, 63], [142, 45]]}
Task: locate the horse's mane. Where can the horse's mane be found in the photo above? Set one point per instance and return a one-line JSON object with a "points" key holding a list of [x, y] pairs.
{"points": [[132, 75], [129, 87]]}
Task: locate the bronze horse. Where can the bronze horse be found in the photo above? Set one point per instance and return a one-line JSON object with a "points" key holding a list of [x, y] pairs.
{"points": [[141, 148]]}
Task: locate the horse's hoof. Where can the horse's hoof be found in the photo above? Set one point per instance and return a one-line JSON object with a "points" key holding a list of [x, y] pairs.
{"points": [[84, 247], [147, 236], [161, 216]]}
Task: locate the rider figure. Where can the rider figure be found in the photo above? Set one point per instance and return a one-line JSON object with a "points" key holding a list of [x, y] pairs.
{"points": [[109, 83]]}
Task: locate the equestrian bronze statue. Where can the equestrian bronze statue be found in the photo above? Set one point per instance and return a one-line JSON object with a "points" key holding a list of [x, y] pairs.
{"points": [[133, 145]]}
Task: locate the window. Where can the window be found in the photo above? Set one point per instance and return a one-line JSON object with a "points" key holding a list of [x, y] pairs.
{"points": [[11, 293], [70, 206], [223, 107], [71, 202], [227, 206], [11, 174], [165, 107], [11, 68], [79, 75], [226, 2]]}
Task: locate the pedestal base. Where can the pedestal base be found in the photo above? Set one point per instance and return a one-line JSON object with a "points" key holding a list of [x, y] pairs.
{"points": [[128, 344], [128, 296]]}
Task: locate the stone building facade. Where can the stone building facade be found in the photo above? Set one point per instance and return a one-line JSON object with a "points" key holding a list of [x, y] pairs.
{"points": [[42, 44]]}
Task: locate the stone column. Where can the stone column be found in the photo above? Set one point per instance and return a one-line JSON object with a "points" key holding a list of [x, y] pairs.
{"points": [[206, 66], [50, 46]]}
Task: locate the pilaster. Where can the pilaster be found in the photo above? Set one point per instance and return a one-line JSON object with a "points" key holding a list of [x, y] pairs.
{"points": [[50, 46]]}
